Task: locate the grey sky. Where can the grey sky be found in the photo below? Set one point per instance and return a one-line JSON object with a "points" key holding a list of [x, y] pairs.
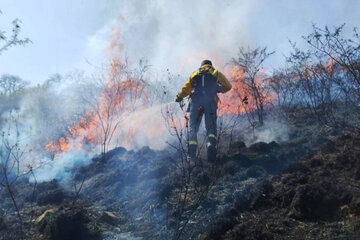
{"points": [[170, 34]]}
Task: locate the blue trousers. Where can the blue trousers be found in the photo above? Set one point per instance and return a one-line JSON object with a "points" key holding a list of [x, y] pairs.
{"points": [[197, 109]]}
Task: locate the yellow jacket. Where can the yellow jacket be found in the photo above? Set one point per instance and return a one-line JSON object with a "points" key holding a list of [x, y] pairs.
{"points": [[187, 88]]}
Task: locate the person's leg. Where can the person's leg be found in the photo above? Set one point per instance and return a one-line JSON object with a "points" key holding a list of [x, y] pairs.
{"points": [[211, 129], [194, 122]]}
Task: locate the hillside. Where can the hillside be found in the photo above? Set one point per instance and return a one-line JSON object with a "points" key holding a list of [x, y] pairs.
{"points": [[304, 187]]}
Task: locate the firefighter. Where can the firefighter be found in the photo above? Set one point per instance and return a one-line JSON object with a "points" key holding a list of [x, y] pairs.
{"points": [[203, 86]]}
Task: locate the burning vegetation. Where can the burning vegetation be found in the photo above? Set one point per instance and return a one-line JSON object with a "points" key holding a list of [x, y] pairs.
{"points": [[287, 165], [122, 91], [121, 94]]}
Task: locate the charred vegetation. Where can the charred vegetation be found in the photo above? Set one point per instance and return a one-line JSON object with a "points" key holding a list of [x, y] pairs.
{"points": [[287, 167]]}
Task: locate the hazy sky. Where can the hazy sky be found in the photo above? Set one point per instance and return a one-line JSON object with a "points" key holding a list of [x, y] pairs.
{"points": [[67, 34]]}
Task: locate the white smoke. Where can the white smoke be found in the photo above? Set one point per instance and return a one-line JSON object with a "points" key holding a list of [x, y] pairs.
{"points": [[173, 35], [142, 128], [271, 131], [62, 167], [177, 35]]}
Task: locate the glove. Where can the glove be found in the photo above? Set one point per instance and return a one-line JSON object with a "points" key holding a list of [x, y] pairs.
{"points": [[221, 89], [245, 100], [178, 98]]}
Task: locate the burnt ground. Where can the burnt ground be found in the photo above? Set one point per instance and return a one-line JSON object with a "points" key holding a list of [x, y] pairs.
{"points": [[304, 188], [314, 198]]}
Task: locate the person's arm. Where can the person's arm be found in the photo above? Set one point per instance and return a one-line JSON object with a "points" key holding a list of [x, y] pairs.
{"points": [[226, 85], [186, 89]]}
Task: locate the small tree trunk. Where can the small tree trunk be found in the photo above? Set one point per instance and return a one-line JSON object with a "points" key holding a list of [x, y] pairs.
{"points": [[11, 193]]}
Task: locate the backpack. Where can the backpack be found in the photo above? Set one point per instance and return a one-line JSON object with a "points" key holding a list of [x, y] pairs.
{"points": [[204, 85]]}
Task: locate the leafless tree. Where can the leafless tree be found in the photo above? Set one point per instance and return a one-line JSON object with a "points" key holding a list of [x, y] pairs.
{"points": [[121, 89], [9, 41], [11, 165], [251, 60], [327, 74], [283, 83], [10, 84], [335, 46]]}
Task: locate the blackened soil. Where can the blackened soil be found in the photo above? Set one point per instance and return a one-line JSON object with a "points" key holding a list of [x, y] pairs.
{"points": [[315, 198]]}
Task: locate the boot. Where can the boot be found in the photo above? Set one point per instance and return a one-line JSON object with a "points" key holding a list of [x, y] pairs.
{"points": [[211, 152], [192, 151]]}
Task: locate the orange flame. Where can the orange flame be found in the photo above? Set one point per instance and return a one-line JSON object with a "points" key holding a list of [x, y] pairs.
{"points": [[120, 94], [113, 102], [330, 67], [232, 102]]}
